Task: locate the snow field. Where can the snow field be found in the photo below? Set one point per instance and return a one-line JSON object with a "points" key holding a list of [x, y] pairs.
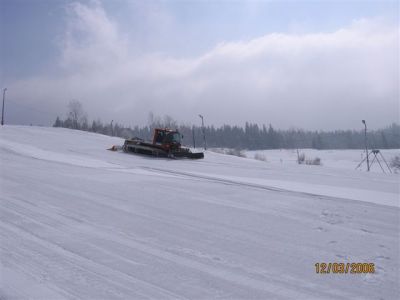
{"points": [[80, 222]]}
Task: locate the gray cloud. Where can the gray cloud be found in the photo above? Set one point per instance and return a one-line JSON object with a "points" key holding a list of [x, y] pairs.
{"points": [[323, 80]]}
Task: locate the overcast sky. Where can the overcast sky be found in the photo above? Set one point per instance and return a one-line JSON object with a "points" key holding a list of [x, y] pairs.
{"points": [[304, 64]]}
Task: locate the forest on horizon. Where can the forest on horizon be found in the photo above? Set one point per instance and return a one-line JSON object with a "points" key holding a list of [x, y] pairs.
{"points": [[252, 136]]}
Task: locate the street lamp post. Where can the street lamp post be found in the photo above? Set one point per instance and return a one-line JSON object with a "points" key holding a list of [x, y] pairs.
{"points": [[194, 140], [366, 144], [2, 111], [204, 134]]}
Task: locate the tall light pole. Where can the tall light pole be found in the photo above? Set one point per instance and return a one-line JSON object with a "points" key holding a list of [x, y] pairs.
{"points": [[366, 144], [2, 111], [194, 140], [204, 134], [112, 129]]}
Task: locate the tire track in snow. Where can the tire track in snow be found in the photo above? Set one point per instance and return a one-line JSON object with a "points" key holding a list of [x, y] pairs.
{"points": [[256, 186], [282, 291], [96, 268], [233, 182]]}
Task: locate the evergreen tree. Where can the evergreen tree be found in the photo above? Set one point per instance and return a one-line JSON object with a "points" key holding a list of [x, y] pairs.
{"points": [[58, 122]]}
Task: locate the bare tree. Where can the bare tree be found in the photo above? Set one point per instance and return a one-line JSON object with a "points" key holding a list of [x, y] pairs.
{"points": [[169, 122], [165, 122], [76, 114], [153, 121]]}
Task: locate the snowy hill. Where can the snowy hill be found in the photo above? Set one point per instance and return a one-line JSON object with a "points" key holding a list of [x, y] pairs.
{"points": [[78, 221]]}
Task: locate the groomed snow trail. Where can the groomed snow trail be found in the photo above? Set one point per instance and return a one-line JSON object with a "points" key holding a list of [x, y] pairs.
{"points": [[80, 222]]}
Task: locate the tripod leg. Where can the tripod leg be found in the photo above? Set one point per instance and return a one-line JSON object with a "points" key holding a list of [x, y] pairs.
{"points": [[370, 165], [377, 159], [390, 170], [360, 163]]}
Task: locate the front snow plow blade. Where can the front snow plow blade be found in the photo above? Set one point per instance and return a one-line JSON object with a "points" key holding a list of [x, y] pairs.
{"points": [[115, 148]]}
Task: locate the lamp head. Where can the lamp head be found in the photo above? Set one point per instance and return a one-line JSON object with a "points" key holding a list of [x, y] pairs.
{"points": [[363, 121]]}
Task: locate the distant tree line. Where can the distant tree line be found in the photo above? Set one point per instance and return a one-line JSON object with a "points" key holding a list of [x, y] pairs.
{"points": [[251, 136]]}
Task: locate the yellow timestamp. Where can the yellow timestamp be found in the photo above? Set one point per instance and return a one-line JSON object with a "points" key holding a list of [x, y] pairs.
{"points": [[344, 268]]}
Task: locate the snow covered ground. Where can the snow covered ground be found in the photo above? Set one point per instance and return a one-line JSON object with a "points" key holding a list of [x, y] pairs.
{"points": [[77, 221]]}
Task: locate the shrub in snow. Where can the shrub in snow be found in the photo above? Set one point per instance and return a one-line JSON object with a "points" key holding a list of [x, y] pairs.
{"points": [[301, 159], [395, 163], [235, 152], [260, 156], [316, 161]]}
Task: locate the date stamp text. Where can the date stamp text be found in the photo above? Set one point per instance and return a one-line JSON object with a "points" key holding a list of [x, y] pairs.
{"points": [[344, 268]]}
